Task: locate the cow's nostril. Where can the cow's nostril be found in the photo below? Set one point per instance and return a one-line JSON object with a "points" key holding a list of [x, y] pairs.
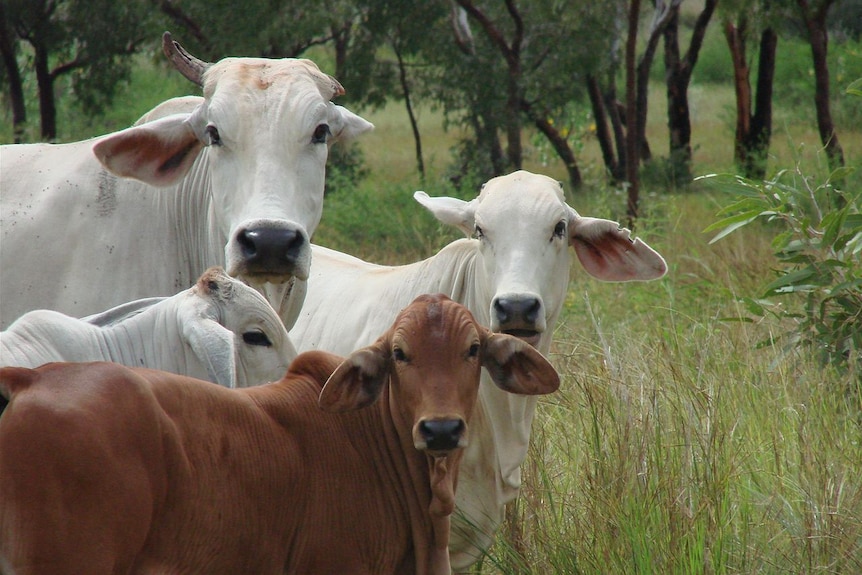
{"points": [[246, 240], [532, 306], [501, 311], [441, 434]]}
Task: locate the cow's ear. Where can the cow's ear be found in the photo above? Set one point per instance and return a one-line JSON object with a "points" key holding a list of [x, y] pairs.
{"points": [[517, 367], [158, 153], [607, 251], [345, 125], [358, 381], [450, 211]]}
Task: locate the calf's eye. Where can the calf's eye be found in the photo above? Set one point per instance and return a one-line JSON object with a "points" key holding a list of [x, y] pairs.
{"points": [[398, 354], [256, 338], [474, 350], [479, 233], [213, 136], [321, 134]]}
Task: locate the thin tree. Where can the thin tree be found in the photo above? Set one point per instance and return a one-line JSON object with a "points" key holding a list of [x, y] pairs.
{"points": [[679, 70], [8, 50], [814, 17], [753, 112]]}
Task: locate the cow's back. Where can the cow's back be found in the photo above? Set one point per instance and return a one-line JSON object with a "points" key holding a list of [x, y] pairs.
{"points": [[78, 239]]}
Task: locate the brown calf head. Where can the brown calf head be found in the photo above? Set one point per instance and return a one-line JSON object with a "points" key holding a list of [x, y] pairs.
{"points": [[432, 356]]}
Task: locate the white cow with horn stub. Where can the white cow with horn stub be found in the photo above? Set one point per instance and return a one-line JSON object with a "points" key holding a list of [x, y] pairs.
{"points": [[513, 277], [236, 181]]}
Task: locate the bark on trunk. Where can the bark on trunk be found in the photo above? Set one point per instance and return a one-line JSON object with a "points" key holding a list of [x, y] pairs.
{"points": [[45, 83], [414, 125], [815, 22], [558, 142], [13, 77], [679, 71], [632, 141], [603, 133], [753, 113]]}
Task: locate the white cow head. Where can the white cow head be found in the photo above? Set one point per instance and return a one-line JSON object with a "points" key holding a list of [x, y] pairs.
{"points": [[524, 226], [234, 331], [264, 128]]}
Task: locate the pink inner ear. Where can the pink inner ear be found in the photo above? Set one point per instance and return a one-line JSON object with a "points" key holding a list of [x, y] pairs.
{"points": [[158, 158], [613, 257]]}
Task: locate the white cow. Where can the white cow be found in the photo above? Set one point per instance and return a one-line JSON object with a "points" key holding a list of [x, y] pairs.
{"points": [[243, 177], [220, 330], [514, 279]]}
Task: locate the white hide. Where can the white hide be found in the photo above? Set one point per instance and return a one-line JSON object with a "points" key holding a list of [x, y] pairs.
{"points": [[249, 155], [220, 330], [525, 228]]}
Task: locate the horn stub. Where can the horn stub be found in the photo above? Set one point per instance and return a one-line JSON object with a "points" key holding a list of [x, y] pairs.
{"points": [[189, 66]]}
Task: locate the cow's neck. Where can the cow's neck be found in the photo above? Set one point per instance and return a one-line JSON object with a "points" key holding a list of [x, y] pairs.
{"points": [[430, 485], [201, 240], [451, 271]]}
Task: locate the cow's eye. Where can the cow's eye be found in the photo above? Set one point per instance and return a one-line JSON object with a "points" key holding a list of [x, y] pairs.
{"points": [[398, 354], [474, 350], [321, 133], [256, 338], [479, 233], [213, 136], [560, 230]]}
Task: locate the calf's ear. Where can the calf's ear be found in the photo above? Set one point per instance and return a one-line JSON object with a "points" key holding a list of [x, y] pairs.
{"points": [[358, 381], [211, 342], [607, 251], [517, 367]]}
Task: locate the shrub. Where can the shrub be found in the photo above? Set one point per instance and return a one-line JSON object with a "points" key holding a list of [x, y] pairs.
{"points": [[817, 243]]}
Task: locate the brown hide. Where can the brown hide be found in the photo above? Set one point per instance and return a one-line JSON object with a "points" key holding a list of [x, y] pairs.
{"points": [[109, 470]]}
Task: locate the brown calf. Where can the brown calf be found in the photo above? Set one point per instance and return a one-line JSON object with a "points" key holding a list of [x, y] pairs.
{"points": [[108, 470]]}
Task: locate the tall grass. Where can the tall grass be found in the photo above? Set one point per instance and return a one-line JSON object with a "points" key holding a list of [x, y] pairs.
{"points": [[676, 445]]}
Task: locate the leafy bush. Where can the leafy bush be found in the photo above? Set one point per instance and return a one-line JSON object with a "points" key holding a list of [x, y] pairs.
{"points": [[818, 243]]}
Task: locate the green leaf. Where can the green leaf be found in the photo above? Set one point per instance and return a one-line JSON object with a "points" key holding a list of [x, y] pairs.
{"points": [[792, 279], [832, 224], [840, 174], [732, 184], [732, 223]]}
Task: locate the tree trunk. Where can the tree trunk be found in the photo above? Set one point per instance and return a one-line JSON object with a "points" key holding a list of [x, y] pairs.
{"points": [[632, 141], [341, 41], [603, 133], [414, 125], [753, 114], [616, 113], [45, 83], [558, 142], [13, 76], [679, 70], [818, 36], [756, 142], [514, 149]]}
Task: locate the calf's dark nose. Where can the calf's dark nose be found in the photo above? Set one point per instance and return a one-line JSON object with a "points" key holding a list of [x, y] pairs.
{"points": [[442, 434]]}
